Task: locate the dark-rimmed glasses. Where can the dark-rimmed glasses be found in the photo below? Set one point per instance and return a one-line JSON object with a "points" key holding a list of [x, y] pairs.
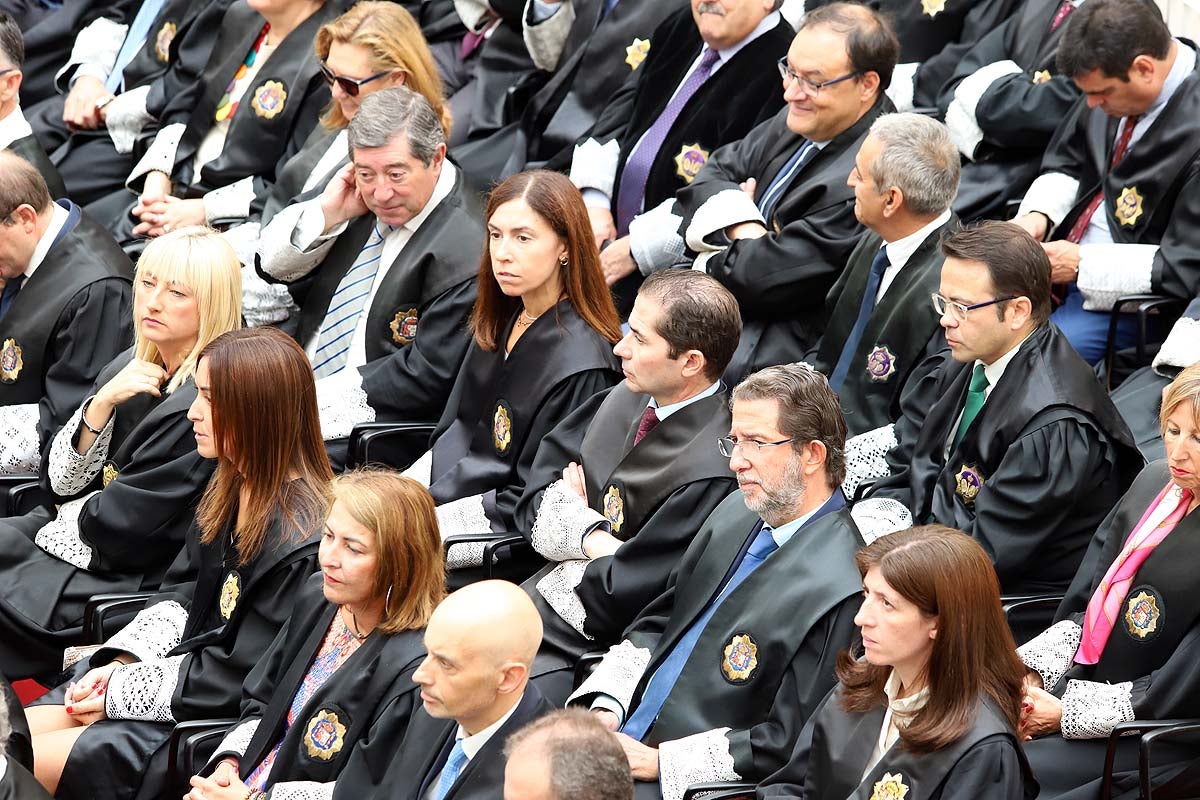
{"points": [[813, 88], [350, 86], [960, 310]]}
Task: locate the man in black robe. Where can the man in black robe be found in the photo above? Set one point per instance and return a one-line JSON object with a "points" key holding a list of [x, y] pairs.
{"points": [[771, 216], [566, 755], [715, 678], [1011, 439], [65, 312], [1118, 200], [15, 133], [618, 490], [397, 359], [1002, 104]]}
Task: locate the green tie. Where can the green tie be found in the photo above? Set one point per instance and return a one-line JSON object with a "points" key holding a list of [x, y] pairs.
{"points": [[971, 408]]}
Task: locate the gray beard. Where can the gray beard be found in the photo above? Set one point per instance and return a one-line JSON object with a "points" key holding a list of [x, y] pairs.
{"points": [[782, 505]]}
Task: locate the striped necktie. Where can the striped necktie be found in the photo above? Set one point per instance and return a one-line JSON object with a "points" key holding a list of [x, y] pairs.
{"points": [[337, 331], [783, 179]]}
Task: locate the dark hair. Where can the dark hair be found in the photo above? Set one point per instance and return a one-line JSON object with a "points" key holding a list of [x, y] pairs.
{"points": [[808, 410], [268, 437], [555, 199], [1016, 263], [946, 574], [20, 184], [698, 313], [12, 45], [1109, 34], [584, 760], [871, 44]]}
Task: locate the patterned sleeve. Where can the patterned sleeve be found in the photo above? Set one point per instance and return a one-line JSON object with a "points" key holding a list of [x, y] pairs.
{"points": [[301, 790], [617, 675], [143, 691], [154, 632], [563, 519], [20, 448], [699, 758], [1091, 709], [70, 472], [1052, 651]]}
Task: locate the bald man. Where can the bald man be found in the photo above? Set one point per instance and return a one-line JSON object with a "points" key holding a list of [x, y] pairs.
{"points": [[475, 691]]}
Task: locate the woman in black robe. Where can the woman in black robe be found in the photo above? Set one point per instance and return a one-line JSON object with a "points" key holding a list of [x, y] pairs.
{"points": [[544, 326], [931, 709], [253, 545], [124, 471], [1088, 674], [339, 678]]}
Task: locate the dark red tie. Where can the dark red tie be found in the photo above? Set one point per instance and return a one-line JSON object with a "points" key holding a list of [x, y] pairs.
{"points": [[1061, 15], [649, 422], [1080, 226]]}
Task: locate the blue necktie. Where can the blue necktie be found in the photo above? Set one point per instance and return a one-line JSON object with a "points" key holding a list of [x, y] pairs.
{"points": [[454, 766], [878, 267], [609, 5], [134, 39], [347, 305], [783, 179], [663, 679], [11, 289]]}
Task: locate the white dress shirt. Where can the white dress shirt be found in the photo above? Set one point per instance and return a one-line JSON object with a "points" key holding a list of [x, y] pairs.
{"points": [[901, 250]]}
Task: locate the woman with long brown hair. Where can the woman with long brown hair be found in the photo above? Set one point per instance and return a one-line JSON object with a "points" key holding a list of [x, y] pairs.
{"points": [[931, 708], [223, 601], [544, 326]]}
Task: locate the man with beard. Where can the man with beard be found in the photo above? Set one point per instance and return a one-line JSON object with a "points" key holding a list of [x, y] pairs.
{"points": [[716, 677]]}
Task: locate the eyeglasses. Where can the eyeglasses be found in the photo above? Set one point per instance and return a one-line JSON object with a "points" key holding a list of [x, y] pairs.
{"points": [[727, 444], [959, 310], [350, 86], [8, 70], [811, 87]]}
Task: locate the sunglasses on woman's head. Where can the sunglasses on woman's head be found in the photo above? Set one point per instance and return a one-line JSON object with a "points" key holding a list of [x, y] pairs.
{"points": [[349, 85]]}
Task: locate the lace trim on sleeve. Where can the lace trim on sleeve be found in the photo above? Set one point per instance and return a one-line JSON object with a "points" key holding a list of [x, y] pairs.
{"points": [[262, 303], [1090, 710], [1109, 271], [342, 403], [1053, 194], [1052, 651], [725, 208], [160, 156], [143, 691], [153, 633], [99, 43], [879, 516], [594, 165], [421, 470], [465, 515], [563, 519], [233, 200], [866, 457], [237, 739], [301, 790], [125, 116], [961, 115], [617, 675], [60, 536], [1182, 347], [904, 85], [698, 758], [70, 472], [20, 448], [558, 588], [654, 239]]}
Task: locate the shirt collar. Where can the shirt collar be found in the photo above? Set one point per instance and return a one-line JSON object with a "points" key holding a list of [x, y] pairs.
{"points": [[995, 371], [906, 706], [785, 532], [662, 412], [58, 218], [14, 127], [441, 190], [472, 744], [901, 250], [726, 53]]}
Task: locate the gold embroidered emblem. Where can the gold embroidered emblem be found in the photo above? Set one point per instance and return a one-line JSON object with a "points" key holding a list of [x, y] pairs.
{"points": [[933, 7], [690, 161], [1142, 614], [501, 429], [404, 327], [230, 591], [1041, 76], [890, 787], [162, 41], [11, 361], [740, 658], [1129, 206], [636, 53], [269, 99], [614, 507], [324, 735], [110, 473], [967, 483]]}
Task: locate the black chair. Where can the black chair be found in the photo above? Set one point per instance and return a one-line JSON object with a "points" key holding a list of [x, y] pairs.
{"points": [[191, 745], [506, 556], [586, 665], [1145, 306], [24, 496], [105, 614], [1143, 728], [1182, 729], [1029, 615], [393, 444]]}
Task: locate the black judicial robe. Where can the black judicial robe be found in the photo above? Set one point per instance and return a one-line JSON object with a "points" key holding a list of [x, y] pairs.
{"points": [[781, 279], [1035, 473], [371, 696], [795, 612], [1152, 196], [1017, 114], [48, 43], [233, 614], [655, 495], [501, 407], [290, 180], [835, 746], [70, 319], [902, 332], [28, 148], [135, 514]]}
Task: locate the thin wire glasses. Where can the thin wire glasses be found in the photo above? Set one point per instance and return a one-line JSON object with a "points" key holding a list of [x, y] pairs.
{"points": [[727, 444]]}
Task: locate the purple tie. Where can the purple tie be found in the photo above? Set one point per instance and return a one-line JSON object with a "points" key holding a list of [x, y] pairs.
{"points": [[649, 422], [1061, 15], [637, 166]]}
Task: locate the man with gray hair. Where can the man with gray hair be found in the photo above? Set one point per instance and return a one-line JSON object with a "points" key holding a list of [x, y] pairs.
{"points": [[566, 755], [388, 252]]}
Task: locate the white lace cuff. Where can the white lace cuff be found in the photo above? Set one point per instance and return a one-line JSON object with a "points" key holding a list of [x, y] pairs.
{"points": [[301, 790], [263, 303], [594, 165], [1110, 271], [903, 85], [654, 239], [237, 738], [97, 44], [232, 201], [1182, 347], [125, 116], [153, 633], [617, 674], [143, 691], [421, 470], [473, 13], [960, 116], [69, 471], [546, 39], [20, 446], [161, 154], [558, 586], [464, 515], [879, 516], [563, 519], [1052, 651], [1052, 194], [726, 207], [342, 404], [60, 536], [1090, 710], [279, 255], [866, 457], [699, 758]]}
